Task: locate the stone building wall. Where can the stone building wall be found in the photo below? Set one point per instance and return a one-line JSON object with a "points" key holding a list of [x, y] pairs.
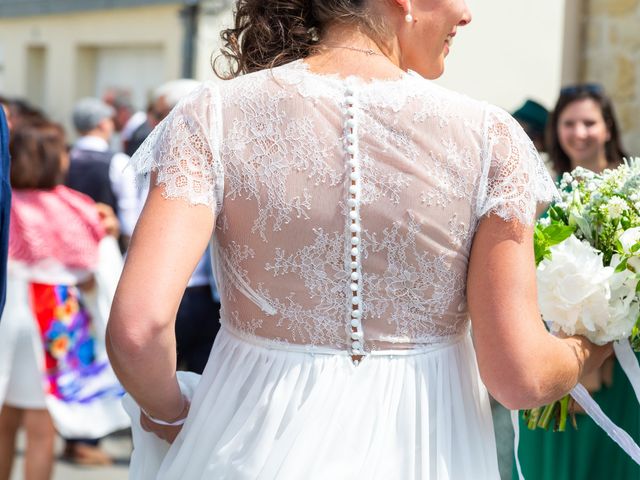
{"points": [[612, 57]]}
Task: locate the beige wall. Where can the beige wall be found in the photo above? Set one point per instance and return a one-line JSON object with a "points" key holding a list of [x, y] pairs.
{"points": [[612, 57], [49, 57], [513, 50]]}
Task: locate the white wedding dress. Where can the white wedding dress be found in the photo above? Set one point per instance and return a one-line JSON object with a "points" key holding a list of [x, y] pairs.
{"points": [[346, 210]]}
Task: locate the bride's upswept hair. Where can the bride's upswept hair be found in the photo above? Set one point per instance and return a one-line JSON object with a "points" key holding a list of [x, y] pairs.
{"points": [[268, 33]]}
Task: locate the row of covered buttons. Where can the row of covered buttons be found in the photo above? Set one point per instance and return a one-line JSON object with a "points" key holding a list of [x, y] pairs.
{"points": [[351, 128]]}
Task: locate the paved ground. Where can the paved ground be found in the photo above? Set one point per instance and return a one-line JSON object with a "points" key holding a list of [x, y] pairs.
{"points": [[118, 446]]}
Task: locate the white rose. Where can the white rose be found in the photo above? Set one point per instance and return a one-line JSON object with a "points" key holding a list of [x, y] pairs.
{"points": [[578, 295]]}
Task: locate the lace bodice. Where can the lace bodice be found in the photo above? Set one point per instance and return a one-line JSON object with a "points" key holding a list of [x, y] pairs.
{"points": [[345, 209]]}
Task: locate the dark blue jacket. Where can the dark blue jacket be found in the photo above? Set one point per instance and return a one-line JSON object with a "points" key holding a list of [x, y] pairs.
{"points": [[5, 205]]}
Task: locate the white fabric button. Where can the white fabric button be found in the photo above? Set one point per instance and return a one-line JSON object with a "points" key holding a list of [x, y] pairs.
{"points": [[351, 123], [356, 313], [355, 240], [355, 251], [351, 138], [354, 265], [355, 276], [351, 112], [356, 335], [354, 287], [353, 189], [353, 215], [355, 228], [352, 202], [356, 345], [355, 300], [354, 176], [356, 324]]}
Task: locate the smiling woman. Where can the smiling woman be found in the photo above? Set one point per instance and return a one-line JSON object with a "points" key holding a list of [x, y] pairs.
{"points": [[583, 131]]}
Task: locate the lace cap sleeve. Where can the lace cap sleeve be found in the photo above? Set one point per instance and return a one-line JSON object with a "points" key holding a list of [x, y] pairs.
{"points": [[514, 179], [184, 151]]}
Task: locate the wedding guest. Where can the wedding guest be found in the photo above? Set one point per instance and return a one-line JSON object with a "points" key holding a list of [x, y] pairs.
{"points": [[98, 171], [127, 119], [62, 273], [362, 217], [532, 116], [583, 132]]}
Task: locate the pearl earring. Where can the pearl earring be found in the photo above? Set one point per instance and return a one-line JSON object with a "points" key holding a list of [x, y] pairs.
{"points": [[408, 18]]}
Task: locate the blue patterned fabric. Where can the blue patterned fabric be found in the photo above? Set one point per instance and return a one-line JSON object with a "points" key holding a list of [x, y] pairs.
{"points": [[5, 205]]}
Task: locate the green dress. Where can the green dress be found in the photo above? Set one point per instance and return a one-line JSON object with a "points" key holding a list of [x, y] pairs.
{"points": [[587, 453]]}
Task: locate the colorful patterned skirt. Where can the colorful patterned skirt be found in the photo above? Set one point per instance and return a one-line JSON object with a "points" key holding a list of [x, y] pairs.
{"points": [[53, 327]]}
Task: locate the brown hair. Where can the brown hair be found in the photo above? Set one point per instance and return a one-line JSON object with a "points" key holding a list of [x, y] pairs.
{"points": [[614, 151], [268, 33], [36, 156]]}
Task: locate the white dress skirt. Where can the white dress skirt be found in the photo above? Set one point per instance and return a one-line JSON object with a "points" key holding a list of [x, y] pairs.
{"points": [[265, 411]]}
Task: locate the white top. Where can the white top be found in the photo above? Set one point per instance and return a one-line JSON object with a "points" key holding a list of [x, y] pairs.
{"points": [[132, 125], [122, 182], [345, 210]]}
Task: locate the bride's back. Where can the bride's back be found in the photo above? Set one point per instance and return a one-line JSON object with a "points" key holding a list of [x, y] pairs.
{"points": [[346, 209]]}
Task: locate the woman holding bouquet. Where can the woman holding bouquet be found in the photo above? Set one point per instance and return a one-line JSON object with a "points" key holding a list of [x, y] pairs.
{"points": [[359, 215], [583, 132]]}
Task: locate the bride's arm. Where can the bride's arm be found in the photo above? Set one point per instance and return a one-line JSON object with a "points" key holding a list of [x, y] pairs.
{"points": [[166, 246], [522, 365]]}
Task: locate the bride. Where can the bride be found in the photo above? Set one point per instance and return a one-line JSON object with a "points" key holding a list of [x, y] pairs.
{"points": [[361, 220]]}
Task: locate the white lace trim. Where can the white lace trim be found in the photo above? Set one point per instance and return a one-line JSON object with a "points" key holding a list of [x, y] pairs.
{"points": [[184, 151], [514, 179]]}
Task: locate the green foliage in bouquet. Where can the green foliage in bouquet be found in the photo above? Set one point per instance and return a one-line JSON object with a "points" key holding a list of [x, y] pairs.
{"points": [[603, 210]]}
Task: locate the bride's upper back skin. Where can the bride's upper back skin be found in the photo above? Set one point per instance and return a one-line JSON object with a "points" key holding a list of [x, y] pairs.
{"points": [[353, 205]]}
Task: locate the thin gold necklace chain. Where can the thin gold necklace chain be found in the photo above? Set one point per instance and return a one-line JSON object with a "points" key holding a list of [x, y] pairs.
{"points": [[368, 51]]}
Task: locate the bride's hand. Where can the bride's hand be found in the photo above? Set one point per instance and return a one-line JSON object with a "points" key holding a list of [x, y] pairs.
{"points": [[168, 433]]}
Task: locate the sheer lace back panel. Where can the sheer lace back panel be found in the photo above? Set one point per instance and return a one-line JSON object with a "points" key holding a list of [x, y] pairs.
{"points": [[345, 209]]}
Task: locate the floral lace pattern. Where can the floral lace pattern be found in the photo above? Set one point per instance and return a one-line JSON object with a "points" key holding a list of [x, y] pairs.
{"points": [[267, 152]]}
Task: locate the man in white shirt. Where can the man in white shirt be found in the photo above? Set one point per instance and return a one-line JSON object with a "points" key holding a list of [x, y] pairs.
{"points": [[98, 171]]}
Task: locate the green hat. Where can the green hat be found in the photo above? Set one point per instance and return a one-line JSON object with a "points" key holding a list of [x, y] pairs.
{"points": [[532, 113]]}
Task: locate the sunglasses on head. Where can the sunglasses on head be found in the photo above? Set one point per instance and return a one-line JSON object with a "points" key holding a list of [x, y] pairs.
{"points": [[595, 88]]}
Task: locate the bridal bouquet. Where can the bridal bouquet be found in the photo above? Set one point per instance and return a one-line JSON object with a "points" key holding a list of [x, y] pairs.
{"points": [[588, 256]]}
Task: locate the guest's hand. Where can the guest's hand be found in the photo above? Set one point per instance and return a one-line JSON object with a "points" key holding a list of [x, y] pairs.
{"points": [[108, 219]]}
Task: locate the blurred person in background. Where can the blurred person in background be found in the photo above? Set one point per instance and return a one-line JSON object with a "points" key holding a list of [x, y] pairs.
{"points": [[5, 198], [163, 99], [583, 132], [127, 119], [62, 273], [533, 118], [98, 171], [22, 112]]}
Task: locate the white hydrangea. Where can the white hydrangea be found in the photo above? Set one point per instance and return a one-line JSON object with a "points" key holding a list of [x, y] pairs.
{"points": [[580, 296], [614, 208]]}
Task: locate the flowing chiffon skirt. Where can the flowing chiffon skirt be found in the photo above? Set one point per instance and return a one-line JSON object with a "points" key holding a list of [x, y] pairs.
{"points": [[265, 412]]}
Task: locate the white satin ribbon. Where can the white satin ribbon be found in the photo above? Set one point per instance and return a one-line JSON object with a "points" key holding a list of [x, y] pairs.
{"points": [[622, 438], [629, 364], [515, 421]]}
